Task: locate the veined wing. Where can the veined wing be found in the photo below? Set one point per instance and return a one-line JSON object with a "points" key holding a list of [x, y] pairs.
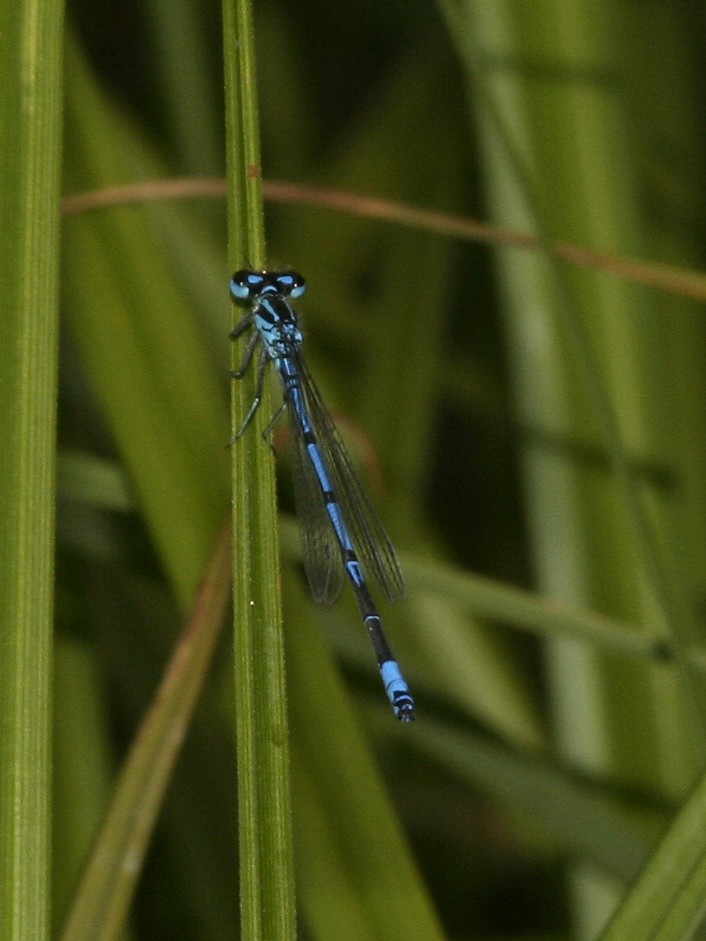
{"points": [[372, 544], [321, 552]]}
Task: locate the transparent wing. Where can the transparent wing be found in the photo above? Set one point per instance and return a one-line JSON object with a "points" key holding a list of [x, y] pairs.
{"points": [[372, 544], [323, 562]]}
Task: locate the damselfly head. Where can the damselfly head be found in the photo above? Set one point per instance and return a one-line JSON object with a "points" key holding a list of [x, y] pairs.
{"points": [[247, 286]]}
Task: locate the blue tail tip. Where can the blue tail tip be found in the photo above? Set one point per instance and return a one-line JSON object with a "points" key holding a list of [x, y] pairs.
{"points": [[397, 691], [404, 708]]}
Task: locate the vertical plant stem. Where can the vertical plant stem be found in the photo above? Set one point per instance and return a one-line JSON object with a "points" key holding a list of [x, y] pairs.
{"points": [[266, 868], [30, 136]]}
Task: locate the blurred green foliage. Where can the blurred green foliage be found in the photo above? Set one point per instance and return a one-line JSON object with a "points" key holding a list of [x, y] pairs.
{"points": [[440, 361]]}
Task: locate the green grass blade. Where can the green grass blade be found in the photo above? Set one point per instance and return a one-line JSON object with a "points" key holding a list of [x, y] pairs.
{"points": [[266, 853], [30, 153]]}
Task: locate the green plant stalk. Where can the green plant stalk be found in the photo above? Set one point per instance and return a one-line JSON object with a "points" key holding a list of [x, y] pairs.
{"points": [[30, 159], [265, 835]]}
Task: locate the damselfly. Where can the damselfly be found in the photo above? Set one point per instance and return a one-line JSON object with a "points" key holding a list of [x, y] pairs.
{"points": [[340, 530]]}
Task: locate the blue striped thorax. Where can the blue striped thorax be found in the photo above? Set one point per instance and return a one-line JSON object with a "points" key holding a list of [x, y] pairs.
{"points": [[267, 292]]}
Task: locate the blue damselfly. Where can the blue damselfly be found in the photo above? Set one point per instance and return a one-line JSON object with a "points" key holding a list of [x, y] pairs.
{"points": [[340, 530]]}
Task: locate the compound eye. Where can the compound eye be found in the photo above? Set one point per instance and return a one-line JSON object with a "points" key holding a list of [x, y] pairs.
{"points": [[291, 284], [245, 284]]}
